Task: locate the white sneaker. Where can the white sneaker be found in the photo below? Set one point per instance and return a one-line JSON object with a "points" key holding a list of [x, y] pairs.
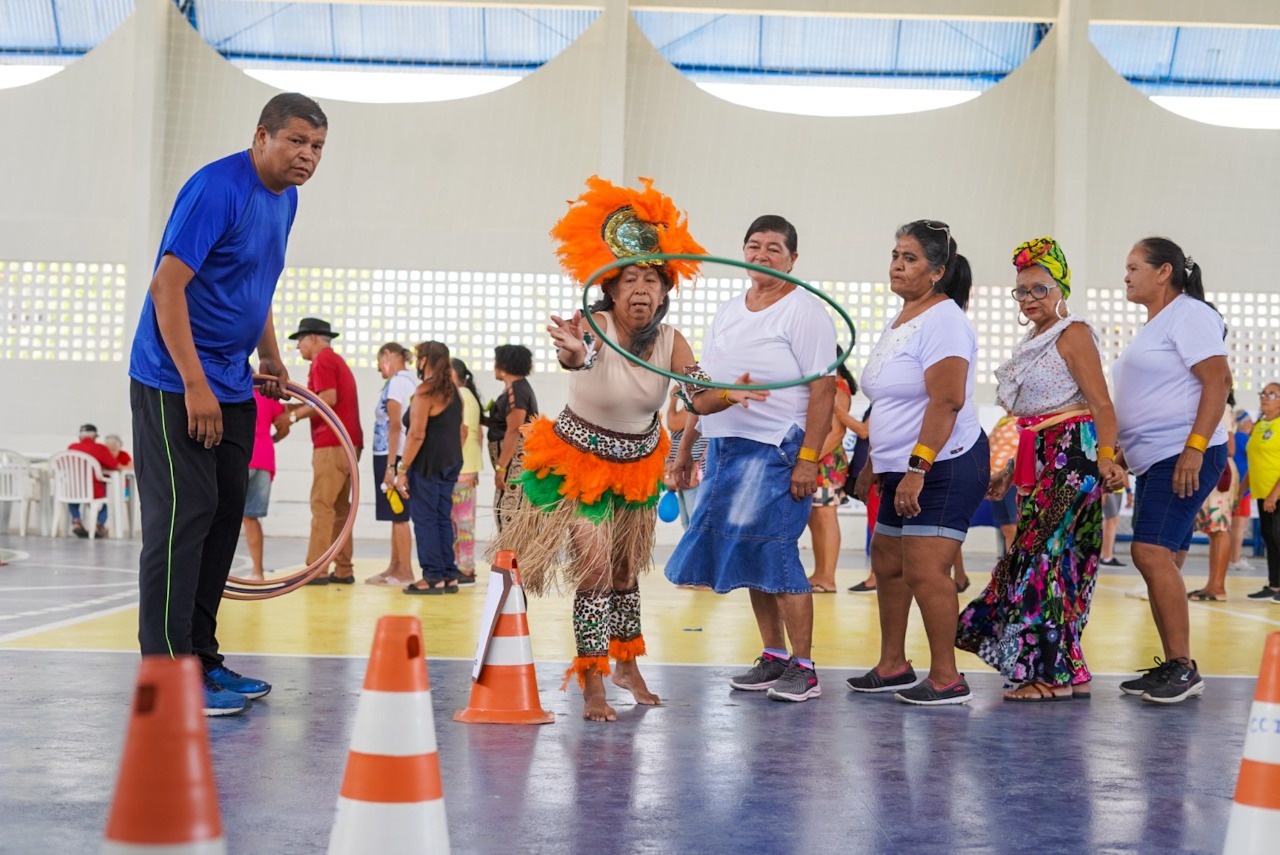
{"points": [[1138, 591], [1241, 566]]}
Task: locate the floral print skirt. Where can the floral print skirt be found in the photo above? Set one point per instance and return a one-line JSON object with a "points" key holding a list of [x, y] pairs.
{"points": [[1028, 621]]}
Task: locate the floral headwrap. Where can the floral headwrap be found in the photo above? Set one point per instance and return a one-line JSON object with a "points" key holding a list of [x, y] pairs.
{"points": [[1046, 253]]}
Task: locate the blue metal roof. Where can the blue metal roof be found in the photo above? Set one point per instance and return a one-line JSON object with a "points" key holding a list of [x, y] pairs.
{"points": [[934, 53]]}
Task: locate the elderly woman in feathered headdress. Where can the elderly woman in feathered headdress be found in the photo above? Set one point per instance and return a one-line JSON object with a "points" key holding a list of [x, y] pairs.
{"points": [[1028, 621], [591, 478]]}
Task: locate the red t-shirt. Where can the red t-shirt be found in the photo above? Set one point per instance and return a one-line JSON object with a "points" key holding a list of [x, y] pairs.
{"points": [[330, 371], [123, 458], [98, 452]]}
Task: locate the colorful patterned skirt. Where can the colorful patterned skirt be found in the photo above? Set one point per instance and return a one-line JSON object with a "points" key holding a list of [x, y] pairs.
{"points": [[587, 501], [1028, 621]]}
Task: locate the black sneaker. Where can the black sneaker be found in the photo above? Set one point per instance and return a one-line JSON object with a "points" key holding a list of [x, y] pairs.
{"points": [[1112, 562], [1179, 680], [926, 694], [873, 682], [1150, 677], [797, 683], [1264, 594], [762, 675]]}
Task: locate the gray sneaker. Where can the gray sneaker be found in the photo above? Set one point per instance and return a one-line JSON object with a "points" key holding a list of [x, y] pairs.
{"points": [[926, 694], [762, 675], [873, 682], [797, 683], [1178, 681]]}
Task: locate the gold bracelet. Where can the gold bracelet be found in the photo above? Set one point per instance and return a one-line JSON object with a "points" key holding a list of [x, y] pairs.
{"points": [[924, 451], [808, 454], [1198, 442], [724, 396], [1106, 452]]}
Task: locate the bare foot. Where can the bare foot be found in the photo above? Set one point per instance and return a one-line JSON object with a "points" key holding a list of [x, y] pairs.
{"points": [[594, 707], [626, 675], [257, 577]]}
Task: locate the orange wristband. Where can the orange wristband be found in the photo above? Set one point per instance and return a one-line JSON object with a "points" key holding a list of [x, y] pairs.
{"points": [[925, 452], [1198, 442], [808, 454]]}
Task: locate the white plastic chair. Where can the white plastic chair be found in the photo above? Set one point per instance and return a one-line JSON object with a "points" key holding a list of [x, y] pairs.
{"points": [[17, 485], [74, 474]]}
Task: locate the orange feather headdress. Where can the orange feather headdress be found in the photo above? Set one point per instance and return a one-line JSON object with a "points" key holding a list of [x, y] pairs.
{"points": [[608, 222]]}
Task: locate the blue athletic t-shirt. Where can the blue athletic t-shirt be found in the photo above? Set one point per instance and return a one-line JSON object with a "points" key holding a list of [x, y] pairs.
{"points": [[232, 231]]}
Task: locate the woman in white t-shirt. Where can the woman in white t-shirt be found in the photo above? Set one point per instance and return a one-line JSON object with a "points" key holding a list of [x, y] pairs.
{"points": [[1171, 384], [388, 442], [762, 461], [929, 458]]}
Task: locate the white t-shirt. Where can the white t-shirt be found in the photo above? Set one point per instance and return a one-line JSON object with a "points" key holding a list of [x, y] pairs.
{"points": [[1156, 395], [399, 387], [894, 381], [793, 338]]}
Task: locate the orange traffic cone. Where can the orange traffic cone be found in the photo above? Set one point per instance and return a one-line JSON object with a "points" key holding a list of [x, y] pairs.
{"points": [[505, 690], [1255, 817], [392, 801], [165, 798]]}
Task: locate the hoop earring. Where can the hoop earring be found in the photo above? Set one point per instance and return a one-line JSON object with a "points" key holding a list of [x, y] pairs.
{"points": [[1023, 320], [1057, 309]]}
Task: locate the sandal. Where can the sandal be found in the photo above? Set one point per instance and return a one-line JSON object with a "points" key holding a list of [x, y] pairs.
{"points": [[429, 590], [862, 588], [1206, 597], [1036, 691], [1081, 692], [819, 588]]}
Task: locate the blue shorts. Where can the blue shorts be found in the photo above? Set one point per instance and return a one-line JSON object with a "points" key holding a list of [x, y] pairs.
{"points": [[953, 489], [1005, 511], [259, 494], [1159, 516]]}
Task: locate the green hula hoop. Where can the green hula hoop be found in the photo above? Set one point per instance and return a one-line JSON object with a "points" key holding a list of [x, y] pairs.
{"points": [[733, 262]]}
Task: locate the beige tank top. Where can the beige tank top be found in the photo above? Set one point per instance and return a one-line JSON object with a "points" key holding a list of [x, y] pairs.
{"points": [[617, 394]]}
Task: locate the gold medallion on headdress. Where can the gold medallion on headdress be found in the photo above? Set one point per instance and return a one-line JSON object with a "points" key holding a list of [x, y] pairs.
{"points": [[608, 222]]}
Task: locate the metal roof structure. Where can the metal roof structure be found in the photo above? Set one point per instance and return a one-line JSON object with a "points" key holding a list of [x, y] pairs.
{"points": [[968, 54]]}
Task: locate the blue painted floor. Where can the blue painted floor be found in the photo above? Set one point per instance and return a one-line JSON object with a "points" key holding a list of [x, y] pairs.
{"points": [[710, 771]]}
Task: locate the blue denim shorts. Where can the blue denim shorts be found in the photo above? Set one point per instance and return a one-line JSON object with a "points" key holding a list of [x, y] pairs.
{"points": [[745, 529], [258, 495], [953, 489], [1159, 516]]}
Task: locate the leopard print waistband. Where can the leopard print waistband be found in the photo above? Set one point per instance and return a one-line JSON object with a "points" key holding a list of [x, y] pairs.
{"points": [[611, 445]]}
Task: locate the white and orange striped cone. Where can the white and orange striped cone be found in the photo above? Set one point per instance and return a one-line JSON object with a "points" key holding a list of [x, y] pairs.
{"points": [[166, 802], [392, 800], [1255, 816], [506, 690]]}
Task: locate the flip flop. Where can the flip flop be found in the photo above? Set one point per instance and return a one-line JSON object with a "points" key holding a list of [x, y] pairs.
{"points": [[1205, 597], [1043, 692], [820, 589], [862, 588]]}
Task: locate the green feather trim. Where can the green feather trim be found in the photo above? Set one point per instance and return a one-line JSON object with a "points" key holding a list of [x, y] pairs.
{"points": [[544, 494]]}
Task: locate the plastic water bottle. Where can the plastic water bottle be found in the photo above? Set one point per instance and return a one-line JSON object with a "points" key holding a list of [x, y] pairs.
{"points": [[393, 499]]}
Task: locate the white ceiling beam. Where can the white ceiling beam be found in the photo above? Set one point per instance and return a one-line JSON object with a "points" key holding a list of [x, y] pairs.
{"points": [[1190, 13]]}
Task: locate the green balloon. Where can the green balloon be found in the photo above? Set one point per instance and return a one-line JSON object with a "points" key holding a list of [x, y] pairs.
{"points": [[711, 259]]}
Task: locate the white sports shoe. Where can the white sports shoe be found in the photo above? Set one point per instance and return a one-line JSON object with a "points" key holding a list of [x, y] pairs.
{"points": [[1138, 591]]}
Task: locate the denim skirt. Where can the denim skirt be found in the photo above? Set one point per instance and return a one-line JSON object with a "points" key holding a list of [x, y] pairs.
{"points": [[746, 528]]}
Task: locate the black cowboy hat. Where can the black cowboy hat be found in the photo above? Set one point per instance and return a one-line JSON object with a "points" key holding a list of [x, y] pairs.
{"points": [[313, 326]]}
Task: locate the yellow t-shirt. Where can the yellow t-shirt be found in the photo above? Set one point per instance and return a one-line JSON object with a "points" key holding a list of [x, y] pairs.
{"points": [[471, 457], [1263, 451]]}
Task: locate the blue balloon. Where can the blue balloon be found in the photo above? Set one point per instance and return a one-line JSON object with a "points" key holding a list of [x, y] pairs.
{"points": [[669, 507]]}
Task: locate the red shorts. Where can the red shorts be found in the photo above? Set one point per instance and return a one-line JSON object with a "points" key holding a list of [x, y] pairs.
{"points": [[1244, 507]]}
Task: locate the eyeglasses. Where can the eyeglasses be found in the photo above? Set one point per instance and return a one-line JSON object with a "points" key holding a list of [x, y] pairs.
{"points": [[1035, 292], [1269, 396]]}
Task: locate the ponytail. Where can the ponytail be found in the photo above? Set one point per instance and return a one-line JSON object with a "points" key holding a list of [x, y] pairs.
{"points": [[957, 281]]}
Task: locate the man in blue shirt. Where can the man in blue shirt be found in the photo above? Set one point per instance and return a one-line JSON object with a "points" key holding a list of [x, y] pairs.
{"points": [[207, 310]]}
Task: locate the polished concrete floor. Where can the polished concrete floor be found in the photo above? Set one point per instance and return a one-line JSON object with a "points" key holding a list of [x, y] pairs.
{"points": [[711, 770]]}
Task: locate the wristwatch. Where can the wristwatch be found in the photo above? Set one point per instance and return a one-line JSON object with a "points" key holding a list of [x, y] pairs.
{"points": [[293, 417]]}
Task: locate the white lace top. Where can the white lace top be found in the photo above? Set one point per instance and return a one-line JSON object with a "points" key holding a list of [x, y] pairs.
{"points": [[1035, 381]]}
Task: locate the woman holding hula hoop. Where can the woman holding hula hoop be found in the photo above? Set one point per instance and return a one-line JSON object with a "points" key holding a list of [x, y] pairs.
{"points": [[762, 461], [929, 457], [590, 480]]}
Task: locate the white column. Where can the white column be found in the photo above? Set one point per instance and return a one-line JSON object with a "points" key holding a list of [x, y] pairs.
{"points": [[613, 103], [1071, 133]]}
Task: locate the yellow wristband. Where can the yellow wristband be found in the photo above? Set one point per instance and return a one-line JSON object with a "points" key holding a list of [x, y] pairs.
{"points": [[924, 451], [1106, 452], [1198, 442], [724, 396], [808, 454]]}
